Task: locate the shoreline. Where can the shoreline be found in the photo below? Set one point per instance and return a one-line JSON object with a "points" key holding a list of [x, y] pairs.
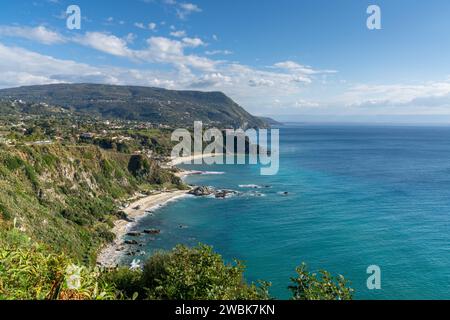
{"points": [[109, 255], [188, 160]]}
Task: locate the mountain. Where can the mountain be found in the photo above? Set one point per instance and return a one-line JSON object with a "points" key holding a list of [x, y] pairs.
{"points": [[156, 105], [271, 121]]}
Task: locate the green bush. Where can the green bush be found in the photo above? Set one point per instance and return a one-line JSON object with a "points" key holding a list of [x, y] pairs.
{"points": [[128, 282], [188, 273], [4, 212], [311, 286]]}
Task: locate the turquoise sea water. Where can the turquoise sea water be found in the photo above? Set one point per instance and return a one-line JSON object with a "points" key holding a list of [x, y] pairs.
{"points": [[358, 196]]}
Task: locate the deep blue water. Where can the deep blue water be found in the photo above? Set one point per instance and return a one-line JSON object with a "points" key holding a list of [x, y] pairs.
{"points": [[359, 195]]}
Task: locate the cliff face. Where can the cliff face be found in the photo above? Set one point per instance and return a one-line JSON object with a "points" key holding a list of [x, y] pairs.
{"points": [[66, 196]]}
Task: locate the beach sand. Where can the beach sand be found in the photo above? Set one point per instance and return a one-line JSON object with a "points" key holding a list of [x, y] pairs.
{"points": [[109, 255], [189, 159]]}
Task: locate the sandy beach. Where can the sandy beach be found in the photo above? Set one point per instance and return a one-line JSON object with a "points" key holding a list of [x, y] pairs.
{"points": [[188, 160], [109, 255]]}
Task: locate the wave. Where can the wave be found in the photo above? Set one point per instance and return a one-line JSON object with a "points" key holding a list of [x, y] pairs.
{"points": [[252, 186], [249, 186], [206, 173]]}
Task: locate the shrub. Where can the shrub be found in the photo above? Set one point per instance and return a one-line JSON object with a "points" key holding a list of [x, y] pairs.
{"points": [[197, 274], [4, 212], [187, 273], [311, 286], [129, 282], [30, 272]]}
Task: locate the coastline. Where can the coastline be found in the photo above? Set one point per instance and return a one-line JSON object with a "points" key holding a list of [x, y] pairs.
{"points": [[187, 160], [109, 255]]}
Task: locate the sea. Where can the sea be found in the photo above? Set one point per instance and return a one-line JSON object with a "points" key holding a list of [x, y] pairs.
{"points": [[346, 197]]}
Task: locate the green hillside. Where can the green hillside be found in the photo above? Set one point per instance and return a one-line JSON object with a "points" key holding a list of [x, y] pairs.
{"points": [[67, 196], [156, 105]]}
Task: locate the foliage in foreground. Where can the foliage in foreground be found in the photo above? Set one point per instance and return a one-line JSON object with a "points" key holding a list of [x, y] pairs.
{"points": [[190, 274], [311, 286], [30, 272]]}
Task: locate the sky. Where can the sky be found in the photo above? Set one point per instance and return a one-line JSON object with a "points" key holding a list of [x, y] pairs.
{"points": [[282, 58]]}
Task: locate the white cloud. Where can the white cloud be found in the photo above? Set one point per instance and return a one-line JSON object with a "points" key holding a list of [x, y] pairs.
{"points": [[150, 26], [170, 51], [295, 67], [178, 34], [211, 80], [193, 42], [105, 43], [139, 25], [248, 85], [130, 37], [261, 82], [397, 94], [217, 52], [24, 67], [302, 103], [40, 34], [185, 9]]}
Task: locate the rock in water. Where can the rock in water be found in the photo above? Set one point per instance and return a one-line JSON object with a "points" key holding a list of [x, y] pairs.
{"points": [[152, 231], [201, 191], [133, 234]]}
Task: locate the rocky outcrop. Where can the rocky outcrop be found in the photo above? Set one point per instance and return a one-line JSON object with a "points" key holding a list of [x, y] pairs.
{"points": [[202, 191], [222, 194], [207, 191], [133, 234], [152, 231]]}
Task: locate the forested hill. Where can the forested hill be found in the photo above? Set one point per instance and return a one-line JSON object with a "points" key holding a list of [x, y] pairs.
{"points": [[156, 105]]}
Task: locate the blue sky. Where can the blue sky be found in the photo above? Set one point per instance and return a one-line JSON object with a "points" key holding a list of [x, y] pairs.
{"points": [[287, 57]]}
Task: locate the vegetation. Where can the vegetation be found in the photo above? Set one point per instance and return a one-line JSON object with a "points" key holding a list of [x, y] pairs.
{"points": [[322, 286], [66, 196], [66, 175], [188, 274], [168, 107], [32, 272]]}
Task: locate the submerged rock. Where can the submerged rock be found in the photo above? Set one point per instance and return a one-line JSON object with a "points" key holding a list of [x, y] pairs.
{"points": [[221, 194], [132, 242], [134, 234]]}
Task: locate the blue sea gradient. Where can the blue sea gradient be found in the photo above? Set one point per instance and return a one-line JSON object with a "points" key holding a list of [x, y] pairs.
{"points": [[358, 196]]}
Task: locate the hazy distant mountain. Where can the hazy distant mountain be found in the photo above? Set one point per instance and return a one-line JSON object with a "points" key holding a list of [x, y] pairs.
{"points": [[271, 121], [140, 103]]}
